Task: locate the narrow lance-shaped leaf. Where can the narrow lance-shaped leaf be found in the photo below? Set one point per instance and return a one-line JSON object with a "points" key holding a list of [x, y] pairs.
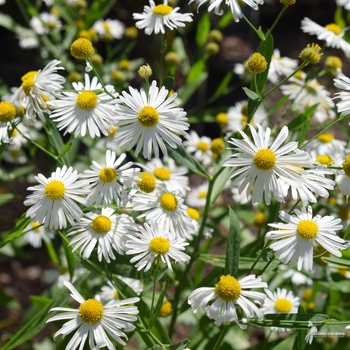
{"points": [[155, 312], [233, 246]]}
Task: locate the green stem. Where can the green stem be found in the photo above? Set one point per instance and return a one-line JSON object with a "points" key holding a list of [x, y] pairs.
{"points": [[221, 337], [276, 20], [56, 158], [196, 242], [304, 64], [258, 258], [260, 34], [154, 289], [321, 132], [100, 79]]}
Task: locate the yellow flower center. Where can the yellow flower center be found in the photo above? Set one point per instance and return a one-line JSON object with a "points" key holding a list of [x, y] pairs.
{"points": [[228, 288], [112, 132], [166, 309], [259, 219], [14, 133], [333, 62], [202, 194], [203, 146], [28, 84], [311, 53], [333, 28], [193, 213], [162, 10], [7, 111], [107, 175], [346, 165], [344, 212], [325, 137], [265, 159], [222, 119], [147, 183], [82, 49], [307, 294], [87, 100], [91, 311], [325, 160], [159, 245], [307, 229], [148, 116], [124, 64], [55, 190], [283, 305], [162, 174], [106, 26], [116, 295], [35, 225], [257, 63], [168, 201], [217, 145], [101, 224]]}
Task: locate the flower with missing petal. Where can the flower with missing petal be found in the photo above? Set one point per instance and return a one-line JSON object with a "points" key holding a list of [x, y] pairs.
{"points": [[95, 321]]}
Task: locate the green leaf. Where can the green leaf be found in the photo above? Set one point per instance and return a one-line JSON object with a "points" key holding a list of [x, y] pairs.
{"points": [[222, 88], [251, 94], [197, 69], [6, 197], [188, 89], [278, 104], [220, 183], [179, 346], [233, 246], [182, 157], [265, 49], [70, 257], [98, 9], [155, 312], [17, 231], [337, 261], [286, 344], [40, 301], [347, 233], [168, 81], [203, 29], [304, 131], [226, 19], [65, 149]]}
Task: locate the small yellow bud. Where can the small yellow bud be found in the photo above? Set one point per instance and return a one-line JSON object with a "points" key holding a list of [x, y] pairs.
{"points": [[212, 48], [172, 58], [333, 64], [311, 54], [118, 76], [217, 146], [260, 219], [124, 64], [97, 59], [215, 35], [74, 77], [131, 32], [166, 309], [221, 119], [82, 49], [287, 2], [257, 63], [145, 71]]}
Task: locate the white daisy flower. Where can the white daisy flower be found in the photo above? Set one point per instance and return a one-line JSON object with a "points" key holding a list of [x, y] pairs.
{"points": [[36, 234], [296, 277], [197, 197], [166, 209], [149, 120], [110, 181], [344, 3], [166, 172], [195, 220], [110, 294], [344, 179], [326, 144], [53, 200], [343, 83], [106, 230], [45, 23], [7, 117], [220, 302], [27, 40], [109, 28], [294, 240], [154, 241], [154, 18], [280, 67], [87, 109], [259, 164], [37, 89], [232, 4], [305, 93], [280, 301], [200, 147], [332, 34], [95, 321], [238, 117]]}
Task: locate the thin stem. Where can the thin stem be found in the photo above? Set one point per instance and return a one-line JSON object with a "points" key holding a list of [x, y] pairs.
{"points": [[100, 79], [276, 20], [260, 34], [154, 289], [304, 64], [221, 337], [258, 258]]}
